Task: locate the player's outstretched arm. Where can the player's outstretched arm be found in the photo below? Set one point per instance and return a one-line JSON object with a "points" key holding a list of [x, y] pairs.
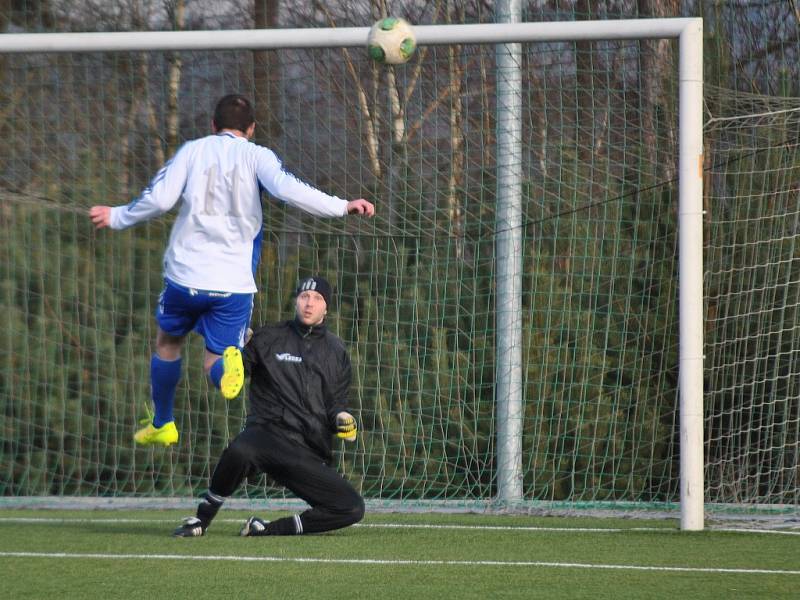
{"points": [[100, 216], [360, 207]]}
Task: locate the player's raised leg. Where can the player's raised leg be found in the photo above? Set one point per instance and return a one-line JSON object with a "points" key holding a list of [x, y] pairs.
{"points": [[233, 377], [224, 329], [226, 372]]}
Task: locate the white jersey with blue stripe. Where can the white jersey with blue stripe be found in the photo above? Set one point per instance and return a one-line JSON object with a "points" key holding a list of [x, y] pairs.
{"points": [[220, 178]]}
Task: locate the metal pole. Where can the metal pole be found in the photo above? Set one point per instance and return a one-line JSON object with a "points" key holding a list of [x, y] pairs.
{"points": [[690, 261], [508, 257], [257, 39]]}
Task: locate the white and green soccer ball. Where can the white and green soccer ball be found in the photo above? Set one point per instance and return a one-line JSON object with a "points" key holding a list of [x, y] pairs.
{"points": [[391, 41]]}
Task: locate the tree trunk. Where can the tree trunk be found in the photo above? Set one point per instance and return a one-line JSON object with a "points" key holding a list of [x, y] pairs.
{"points": [[176, 11], [656, 61], [266, 77], [5, 94], [588, 131], [150, 111], [455, 184]]}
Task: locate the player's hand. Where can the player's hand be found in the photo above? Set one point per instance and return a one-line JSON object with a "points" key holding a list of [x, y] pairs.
{"points": [[100, 216], [346, 427], [360, 207]]}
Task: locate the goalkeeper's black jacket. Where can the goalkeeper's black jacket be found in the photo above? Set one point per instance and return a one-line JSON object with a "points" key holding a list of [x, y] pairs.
{"points": [[299, 380]]}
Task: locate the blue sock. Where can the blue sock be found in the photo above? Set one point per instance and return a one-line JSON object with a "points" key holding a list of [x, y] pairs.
{"points": [[216, 372], [164, 378]]}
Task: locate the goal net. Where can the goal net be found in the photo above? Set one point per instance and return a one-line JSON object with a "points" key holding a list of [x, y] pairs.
{"points": [[415, 286], [752, 296]]}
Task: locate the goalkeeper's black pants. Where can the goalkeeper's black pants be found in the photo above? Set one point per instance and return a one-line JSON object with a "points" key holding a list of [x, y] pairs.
{"points": [[260, 448]]}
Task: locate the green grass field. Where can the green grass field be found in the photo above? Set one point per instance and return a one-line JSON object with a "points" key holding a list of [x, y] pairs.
{"points": [[131, 554]]}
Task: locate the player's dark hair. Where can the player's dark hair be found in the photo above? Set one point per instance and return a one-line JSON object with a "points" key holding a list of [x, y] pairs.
{"points": [[234, 112]]}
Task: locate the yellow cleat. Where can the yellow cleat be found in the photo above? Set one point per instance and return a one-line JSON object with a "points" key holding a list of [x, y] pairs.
{"points": [[166, 435], [233, 373]]}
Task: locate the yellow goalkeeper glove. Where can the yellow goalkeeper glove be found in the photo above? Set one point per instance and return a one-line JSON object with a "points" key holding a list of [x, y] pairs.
{"points": [[346, 427]]}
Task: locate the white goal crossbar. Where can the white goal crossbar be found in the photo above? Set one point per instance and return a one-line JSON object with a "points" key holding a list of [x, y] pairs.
{"points": [[690, 243]]}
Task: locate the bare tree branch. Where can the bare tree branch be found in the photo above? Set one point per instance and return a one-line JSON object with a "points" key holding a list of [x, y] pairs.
{"points": [[372, 140]]}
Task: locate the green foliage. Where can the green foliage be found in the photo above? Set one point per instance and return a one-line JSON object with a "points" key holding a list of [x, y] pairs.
{"points": [[416, 286], [419, 327]]}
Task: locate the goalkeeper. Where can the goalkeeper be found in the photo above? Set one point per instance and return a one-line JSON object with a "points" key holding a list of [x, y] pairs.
{"points": [[299, 381]]}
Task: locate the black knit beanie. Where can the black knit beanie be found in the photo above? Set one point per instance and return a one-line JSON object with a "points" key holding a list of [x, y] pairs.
{"points": [[316, 284]]}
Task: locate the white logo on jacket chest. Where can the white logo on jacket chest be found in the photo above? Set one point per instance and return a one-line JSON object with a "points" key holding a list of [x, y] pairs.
{"points": [[286, 357]]}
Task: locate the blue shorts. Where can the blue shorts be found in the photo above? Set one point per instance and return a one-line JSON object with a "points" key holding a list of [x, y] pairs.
{"points": [[220, 317]]}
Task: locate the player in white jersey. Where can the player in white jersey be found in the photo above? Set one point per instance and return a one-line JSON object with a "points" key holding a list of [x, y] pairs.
{"points": [[213, 249]]}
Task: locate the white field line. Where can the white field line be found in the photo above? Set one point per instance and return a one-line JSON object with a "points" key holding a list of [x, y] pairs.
{"points": [[412, 526], [397, 562]]}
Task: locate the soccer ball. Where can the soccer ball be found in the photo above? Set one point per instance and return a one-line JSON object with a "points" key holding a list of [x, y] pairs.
{"points": [[392, 41]]}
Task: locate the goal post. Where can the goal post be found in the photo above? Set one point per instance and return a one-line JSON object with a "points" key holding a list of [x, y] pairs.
{"points": [[350, 37], [690, 250], [508, 275]]}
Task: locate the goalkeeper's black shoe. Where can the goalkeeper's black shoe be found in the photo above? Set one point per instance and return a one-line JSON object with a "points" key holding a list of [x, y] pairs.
{"points": [[192, 527], [254, 526]]}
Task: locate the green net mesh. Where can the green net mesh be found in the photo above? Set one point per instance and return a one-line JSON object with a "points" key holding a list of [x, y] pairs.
{"points": [[415, 287]]}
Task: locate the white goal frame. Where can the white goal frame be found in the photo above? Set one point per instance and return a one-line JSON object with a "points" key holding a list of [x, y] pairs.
{"points": [[689, 32]]}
